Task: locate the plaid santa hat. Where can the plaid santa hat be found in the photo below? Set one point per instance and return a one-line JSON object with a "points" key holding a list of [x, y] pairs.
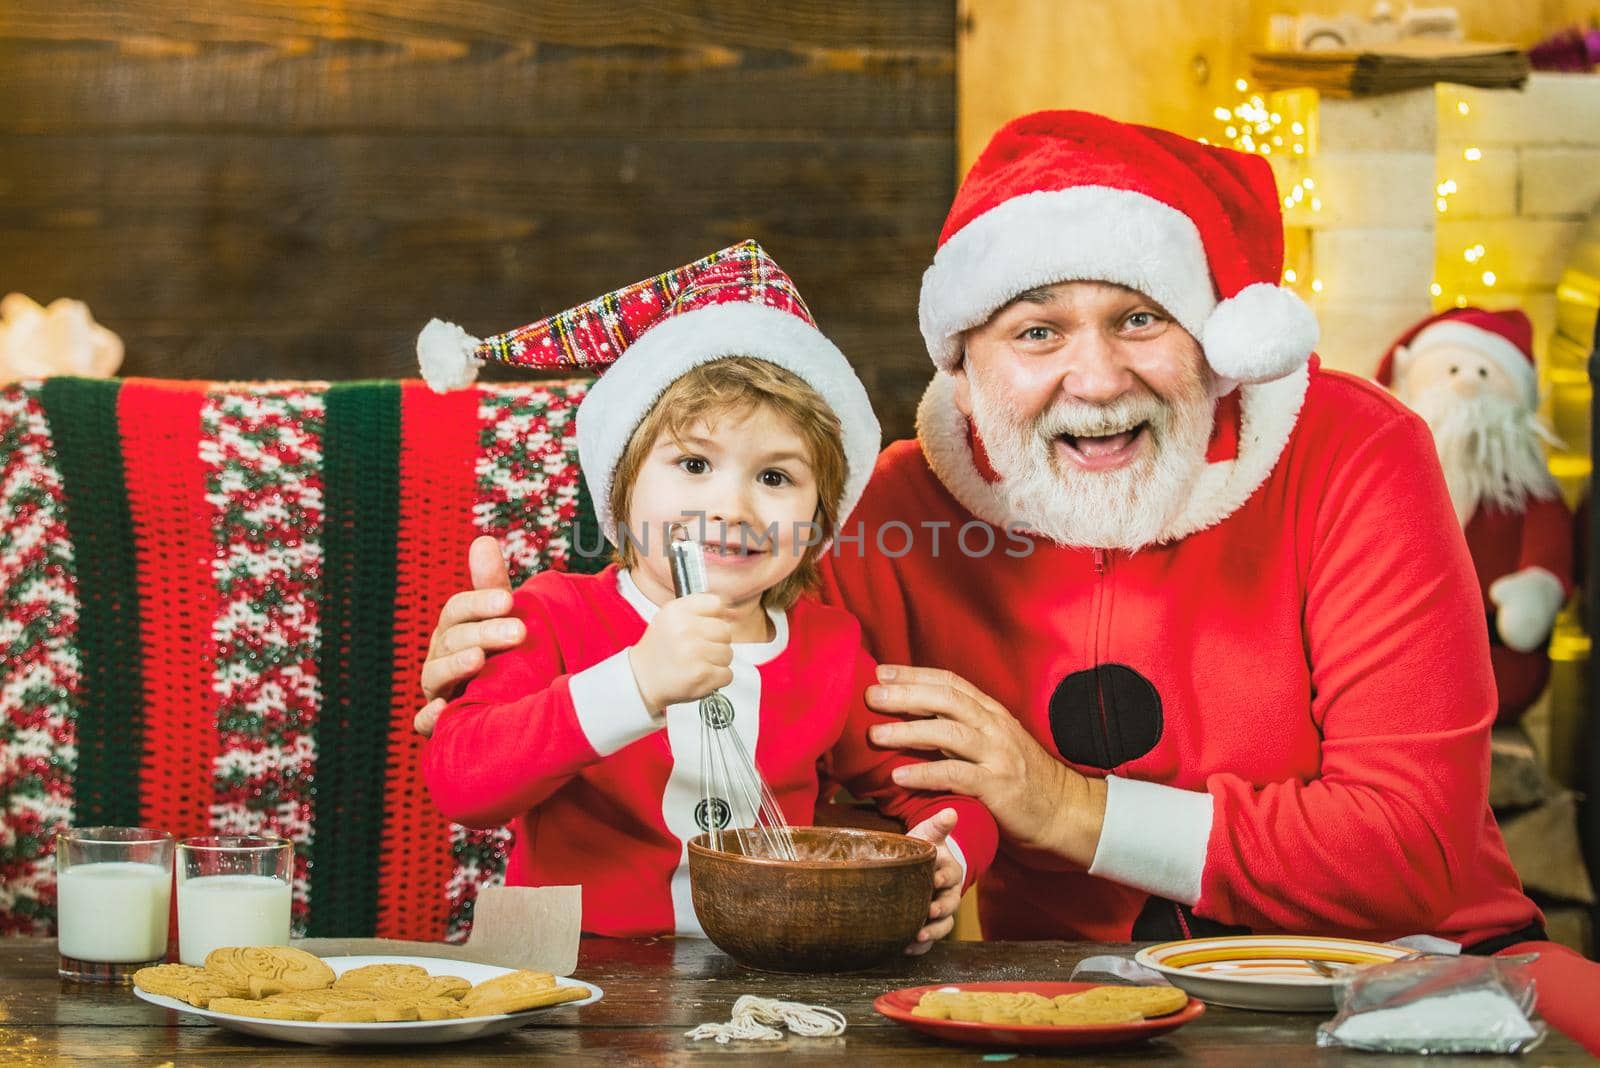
{"points": [[1062, 196], [736, 302], [1504, 337]]}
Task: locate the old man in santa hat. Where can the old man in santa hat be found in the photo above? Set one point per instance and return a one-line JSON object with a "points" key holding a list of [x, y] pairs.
{"points": [[1238, 679]]}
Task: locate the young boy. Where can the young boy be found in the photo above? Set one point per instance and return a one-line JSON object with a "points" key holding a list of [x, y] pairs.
{"points": [[726, 410]]}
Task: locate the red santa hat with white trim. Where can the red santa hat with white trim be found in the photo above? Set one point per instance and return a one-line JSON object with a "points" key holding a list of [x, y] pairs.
{"points": [[1061, 196], [1504, 337], [736, 302]]}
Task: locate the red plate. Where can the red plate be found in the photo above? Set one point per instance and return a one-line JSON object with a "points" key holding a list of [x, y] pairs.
{"points": [[897, 1005]]}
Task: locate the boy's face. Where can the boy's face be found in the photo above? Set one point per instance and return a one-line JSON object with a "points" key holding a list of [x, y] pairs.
{"points": [[742, 483]]}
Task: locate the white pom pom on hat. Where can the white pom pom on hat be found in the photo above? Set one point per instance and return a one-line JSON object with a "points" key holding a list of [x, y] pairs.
{"points": [[447, 355]]}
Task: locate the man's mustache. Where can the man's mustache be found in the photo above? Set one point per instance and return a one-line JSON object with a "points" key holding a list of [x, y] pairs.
{"points": [[1099, 420]]}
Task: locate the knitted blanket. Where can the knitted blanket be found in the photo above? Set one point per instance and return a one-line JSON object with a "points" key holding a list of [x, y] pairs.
{"points": [[215, 599]]}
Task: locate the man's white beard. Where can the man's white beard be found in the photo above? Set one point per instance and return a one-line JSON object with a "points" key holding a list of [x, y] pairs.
{"points": [[1124, 508], [1489, 447]]}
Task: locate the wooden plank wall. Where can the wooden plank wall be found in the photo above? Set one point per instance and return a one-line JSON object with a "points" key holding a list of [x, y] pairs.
{"points": [[1162, 62], [287, 188]]}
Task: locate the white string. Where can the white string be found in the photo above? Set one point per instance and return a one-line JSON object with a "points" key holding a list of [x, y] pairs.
{"points": [[753, 1018]]}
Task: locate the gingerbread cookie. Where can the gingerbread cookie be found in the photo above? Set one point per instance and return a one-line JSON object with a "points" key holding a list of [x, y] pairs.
{"points": [[1026, 1008], [323, 1000], [518, 992], [263, 1010], [193, 986], [274, 969], [372, 1012], [1147, 1001], [401, 982]]}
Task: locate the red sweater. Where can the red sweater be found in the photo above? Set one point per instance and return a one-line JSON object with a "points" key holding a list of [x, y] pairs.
{"points": [[1307, 665], [553, 738]]}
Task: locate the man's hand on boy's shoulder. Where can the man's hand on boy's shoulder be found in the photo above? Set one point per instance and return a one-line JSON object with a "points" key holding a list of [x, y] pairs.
{"points": [[472, 624]]}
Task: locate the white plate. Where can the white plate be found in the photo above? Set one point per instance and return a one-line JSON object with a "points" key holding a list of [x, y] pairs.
{"points": [[417, 1032], [1262, 971]]}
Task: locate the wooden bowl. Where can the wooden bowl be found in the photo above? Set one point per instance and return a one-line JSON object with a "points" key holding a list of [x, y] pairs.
{"points": [[855, 899]]}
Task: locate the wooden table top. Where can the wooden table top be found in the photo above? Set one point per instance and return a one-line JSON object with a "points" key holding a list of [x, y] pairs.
{"points": [[655, 990]]}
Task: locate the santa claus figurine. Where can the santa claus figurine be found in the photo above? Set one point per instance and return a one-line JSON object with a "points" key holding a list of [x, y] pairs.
{"points": [[1469, 373]]}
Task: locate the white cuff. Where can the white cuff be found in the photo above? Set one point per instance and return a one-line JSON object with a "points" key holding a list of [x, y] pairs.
{"points": [[610, 710], [1154, 838], [961, 858]]}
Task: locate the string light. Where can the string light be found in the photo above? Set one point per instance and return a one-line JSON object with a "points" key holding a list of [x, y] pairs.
{"points": [[1280, 124], [1475, 255], [1256, 125]]}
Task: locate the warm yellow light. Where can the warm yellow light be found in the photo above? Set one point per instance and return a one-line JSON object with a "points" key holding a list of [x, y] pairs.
{"points": [[1297, 128], [1290, 276], [1203, 141], [1488, 278], [1276, 118], [1436, 289], [1316, 285], [1461, 106], [1232, 131], [1223, 114], [1461, 300], [1308, 183], [1288, 202], [1472, 155], [1442, 204], [1316, 203], [1266, 149], [1241, 85], [1299, 149]]}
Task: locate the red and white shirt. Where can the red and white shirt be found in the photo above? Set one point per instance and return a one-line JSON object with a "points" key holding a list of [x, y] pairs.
{"points": [[1291, 699], [553, 738]]}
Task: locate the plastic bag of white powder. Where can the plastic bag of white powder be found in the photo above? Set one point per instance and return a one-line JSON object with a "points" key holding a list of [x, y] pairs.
{"points": [[1437, 1005]]}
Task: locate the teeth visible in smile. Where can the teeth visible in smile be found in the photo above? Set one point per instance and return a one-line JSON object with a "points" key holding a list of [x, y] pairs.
{"points": [[1103, 444]]}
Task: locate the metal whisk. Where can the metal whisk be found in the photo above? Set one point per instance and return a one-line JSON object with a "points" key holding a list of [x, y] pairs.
{"points": [[733, 793]]}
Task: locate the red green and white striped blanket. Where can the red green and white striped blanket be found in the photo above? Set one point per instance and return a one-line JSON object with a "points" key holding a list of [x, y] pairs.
{"points": [[215, 599]]}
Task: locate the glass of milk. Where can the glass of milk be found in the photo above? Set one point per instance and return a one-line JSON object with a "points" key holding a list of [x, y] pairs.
{"points": [[233, 890], [113, 897]]}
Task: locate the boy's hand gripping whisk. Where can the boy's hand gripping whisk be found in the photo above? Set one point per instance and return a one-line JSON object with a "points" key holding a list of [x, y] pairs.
{"points": [[734, 794]]}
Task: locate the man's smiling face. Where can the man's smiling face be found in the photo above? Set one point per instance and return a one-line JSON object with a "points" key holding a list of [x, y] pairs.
{"points": [[1095, 408]]}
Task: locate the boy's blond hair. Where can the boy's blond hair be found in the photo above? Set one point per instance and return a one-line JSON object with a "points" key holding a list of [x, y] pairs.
{"points": [[733, 386]]}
